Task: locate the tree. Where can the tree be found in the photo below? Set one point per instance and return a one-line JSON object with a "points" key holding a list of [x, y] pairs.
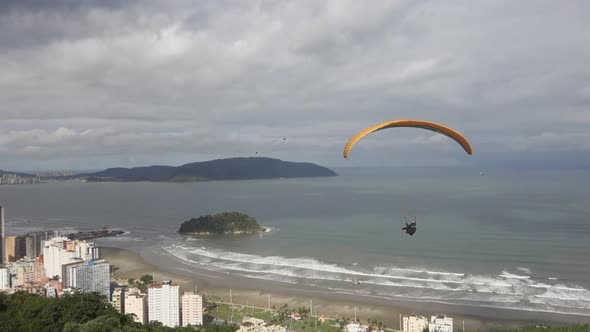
{"points": [[99, 324], [79, 312], [303, 311], [343, 321], [282, 313], [225, 327], [147, 279]]}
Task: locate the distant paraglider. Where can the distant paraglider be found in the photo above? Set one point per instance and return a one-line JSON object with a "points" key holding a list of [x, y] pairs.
{"points": [[410, 227], [436, 127], [270, 142]]}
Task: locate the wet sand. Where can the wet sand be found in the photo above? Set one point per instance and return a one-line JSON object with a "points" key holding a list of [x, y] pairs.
{"points": [[129, 264]]}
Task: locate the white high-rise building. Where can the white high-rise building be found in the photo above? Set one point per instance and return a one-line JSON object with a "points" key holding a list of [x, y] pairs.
{"points": [[440, 323], [137, 304], [55, 255], [67, 272], [89, 276], [192, 309], [4, 278], [118, 299], [88, 251], [414, 323], [164, 303], [60, 251], [23, 272]]}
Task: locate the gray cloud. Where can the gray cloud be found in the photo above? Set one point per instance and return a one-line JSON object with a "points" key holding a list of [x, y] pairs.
{"points": [[89, 83]]}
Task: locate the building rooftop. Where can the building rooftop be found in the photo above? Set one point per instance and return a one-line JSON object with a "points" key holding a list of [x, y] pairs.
{"points": [[159, 285], [135, 295]]}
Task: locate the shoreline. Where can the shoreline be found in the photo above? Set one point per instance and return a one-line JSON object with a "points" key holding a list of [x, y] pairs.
{"points": [[129, 264], [263, 230]]}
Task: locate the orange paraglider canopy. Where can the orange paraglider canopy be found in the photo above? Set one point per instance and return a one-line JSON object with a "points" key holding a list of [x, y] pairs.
{"points": [[439, 128]]}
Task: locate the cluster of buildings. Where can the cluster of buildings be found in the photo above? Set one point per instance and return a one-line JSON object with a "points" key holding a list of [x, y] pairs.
{"points": [[161, 303], [417, 323], [10, 178], [17, 247], [49, 265]]}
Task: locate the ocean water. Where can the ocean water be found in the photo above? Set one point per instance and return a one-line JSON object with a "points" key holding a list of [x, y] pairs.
{"points": [[509, 239]]}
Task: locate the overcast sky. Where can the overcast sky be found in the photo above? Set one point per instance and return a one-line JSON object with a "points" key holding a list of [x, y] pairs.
{"points": [[94, 84]]}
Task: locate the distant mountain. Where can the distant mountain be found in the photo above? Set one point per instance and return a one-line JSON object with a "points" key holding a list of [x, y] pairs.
{"points": [[219, 169]]}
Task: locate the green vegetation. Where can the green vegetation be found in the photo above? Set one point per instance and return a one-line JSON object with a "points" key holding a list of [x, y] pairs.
{"points": [[221, 223], [79, 312], [143, 282], [82, 312], [280, 316]]}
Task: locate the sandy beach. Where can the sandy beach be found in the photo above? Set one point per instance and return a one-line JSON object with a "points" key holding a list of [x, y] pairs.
{"points": [[129, 264]]}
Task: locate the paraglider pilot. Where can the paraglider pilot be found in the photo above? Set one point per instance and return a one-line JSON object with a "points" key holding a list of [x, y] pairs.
{"points": [[410, 227]]}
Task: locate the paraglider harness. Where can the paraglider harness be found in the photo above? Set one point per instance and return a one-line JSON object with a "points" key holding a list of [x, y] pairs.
{"points": [[410, 227]]}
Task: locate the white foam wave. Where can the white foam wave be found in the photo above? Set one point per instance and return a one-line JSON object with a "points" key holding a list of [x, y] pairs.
{"points": [[506, 274], [283, 274], [307, 263], [564, 298], [121, 239], [229, 259], [525, 270], [270, 229], [393, 281]]}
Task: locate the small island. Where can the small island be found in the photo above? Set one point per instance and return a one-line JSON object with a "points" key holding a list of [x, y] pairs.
{"points": [[222, 223]]}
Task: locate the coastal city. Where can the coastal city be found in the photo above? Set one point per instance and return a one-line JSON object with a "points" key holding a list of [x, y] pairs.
{"points": [[12, 178], [294, 166], [50, 264]]}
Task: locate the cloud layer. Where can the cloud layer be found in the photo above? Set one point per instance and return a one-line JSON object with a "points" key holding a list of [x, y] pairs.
{"points": [[91, 84]]}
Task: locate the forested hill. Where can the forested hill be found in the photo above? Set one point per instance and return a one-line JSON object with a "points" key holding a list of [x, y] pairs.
{"points": [[221, 223], [219, 169]]}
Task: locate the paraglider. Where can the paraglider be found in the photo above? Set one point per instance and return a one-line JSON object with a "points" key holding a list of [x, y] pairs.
{"points": [[410, 227], [436, 127]]}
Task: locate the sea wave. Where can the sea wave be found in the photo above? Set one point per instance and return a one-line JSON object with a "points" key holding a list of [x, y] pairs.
{"points": [[525, 270], [506, 274], [393, 281], [304, 263]]}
